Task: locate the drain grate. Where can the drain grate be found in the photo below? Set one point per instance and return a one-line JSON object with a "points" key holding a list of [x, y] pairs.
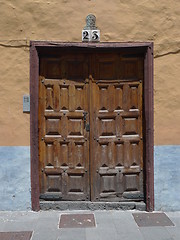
{"points": [[15, 235], [77, 221], [152, 219]]}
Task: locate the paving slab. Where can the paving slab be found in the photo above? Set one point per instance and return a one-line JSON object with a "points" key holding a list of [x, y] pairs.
{"points": [[129, 235], [41, 235], [174, 232], [17, 221], [94, 234], [77, 220], [175, 217], [19, 226], [153, 233], [152, 219], [72, 233], [15, 235], [124, 222], [103, 221]]}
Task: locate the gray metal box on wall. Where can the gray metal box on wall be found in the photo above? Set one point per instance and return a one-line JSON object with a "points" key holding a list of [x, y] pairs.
{"points": [[26, 104]]}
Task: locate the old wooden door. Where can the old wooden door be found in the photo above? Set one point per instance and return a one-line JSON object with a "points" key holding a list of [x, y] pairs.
{"points": [[90, 127], [63, 138], [116, 126]]}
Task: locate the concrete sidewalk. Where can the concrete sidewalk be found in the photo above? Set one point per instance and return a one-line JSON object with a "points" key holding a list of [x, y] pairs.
{"points": [[109, 225]]}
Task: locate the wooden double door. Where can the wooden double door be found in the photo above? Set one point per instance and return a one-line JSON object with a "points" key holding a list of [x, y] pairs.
{"points": [[91, 126]]}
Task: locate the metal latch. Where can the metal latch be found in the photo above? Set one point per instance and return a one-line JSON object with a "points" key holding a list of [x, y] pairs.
{"points": [[87, 127]]}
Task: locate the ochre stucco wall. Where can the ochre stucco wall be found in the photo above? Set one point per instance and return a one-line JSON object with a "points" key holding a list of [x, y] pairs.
{"points": [[63, 20]]}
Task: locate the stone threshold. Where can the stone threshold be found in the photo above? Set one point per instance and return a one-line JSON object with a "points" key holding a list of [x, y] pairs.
{"points": [[86, 205]]}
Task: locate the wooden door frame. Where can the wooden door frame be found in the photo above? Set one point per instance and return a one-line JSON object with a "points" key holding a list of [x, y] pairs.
{"points": [[36, 47]]}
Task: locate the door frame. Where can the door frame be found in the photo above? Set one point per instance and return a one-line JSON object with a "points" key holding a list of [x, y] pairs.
{"points": [[36, 48]]}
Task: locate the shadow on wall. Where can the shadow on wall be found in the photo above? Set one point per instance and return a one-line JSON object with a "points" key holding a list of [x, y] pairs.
{"points": [[167, 177], [15, 178]]}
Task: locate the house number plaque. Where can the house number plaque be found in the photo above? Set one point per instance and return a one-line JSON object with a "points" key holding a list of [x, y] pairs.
{"points": [[90, 33]]}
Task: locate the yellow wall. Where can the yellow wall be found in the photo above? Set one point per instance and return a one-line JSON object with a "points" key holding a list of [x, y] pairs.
{"points": [[63, 20]]}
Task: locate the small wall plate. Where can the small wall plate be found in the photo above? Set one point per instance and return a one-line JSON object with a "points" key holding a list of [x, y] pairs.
{"points": [[26, 104]]}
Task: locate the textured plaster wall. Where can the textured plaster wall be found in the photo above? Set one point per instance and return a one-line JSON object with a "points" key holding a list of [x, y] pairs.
{"points": [[15, 178], [167, 178], [14, 82], [63, 20]]}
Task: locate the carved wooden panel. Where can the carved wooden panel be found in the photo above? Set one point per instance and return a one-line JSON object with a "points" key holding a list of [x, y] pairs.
{"points": [[117, 144], [63, 139]]}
